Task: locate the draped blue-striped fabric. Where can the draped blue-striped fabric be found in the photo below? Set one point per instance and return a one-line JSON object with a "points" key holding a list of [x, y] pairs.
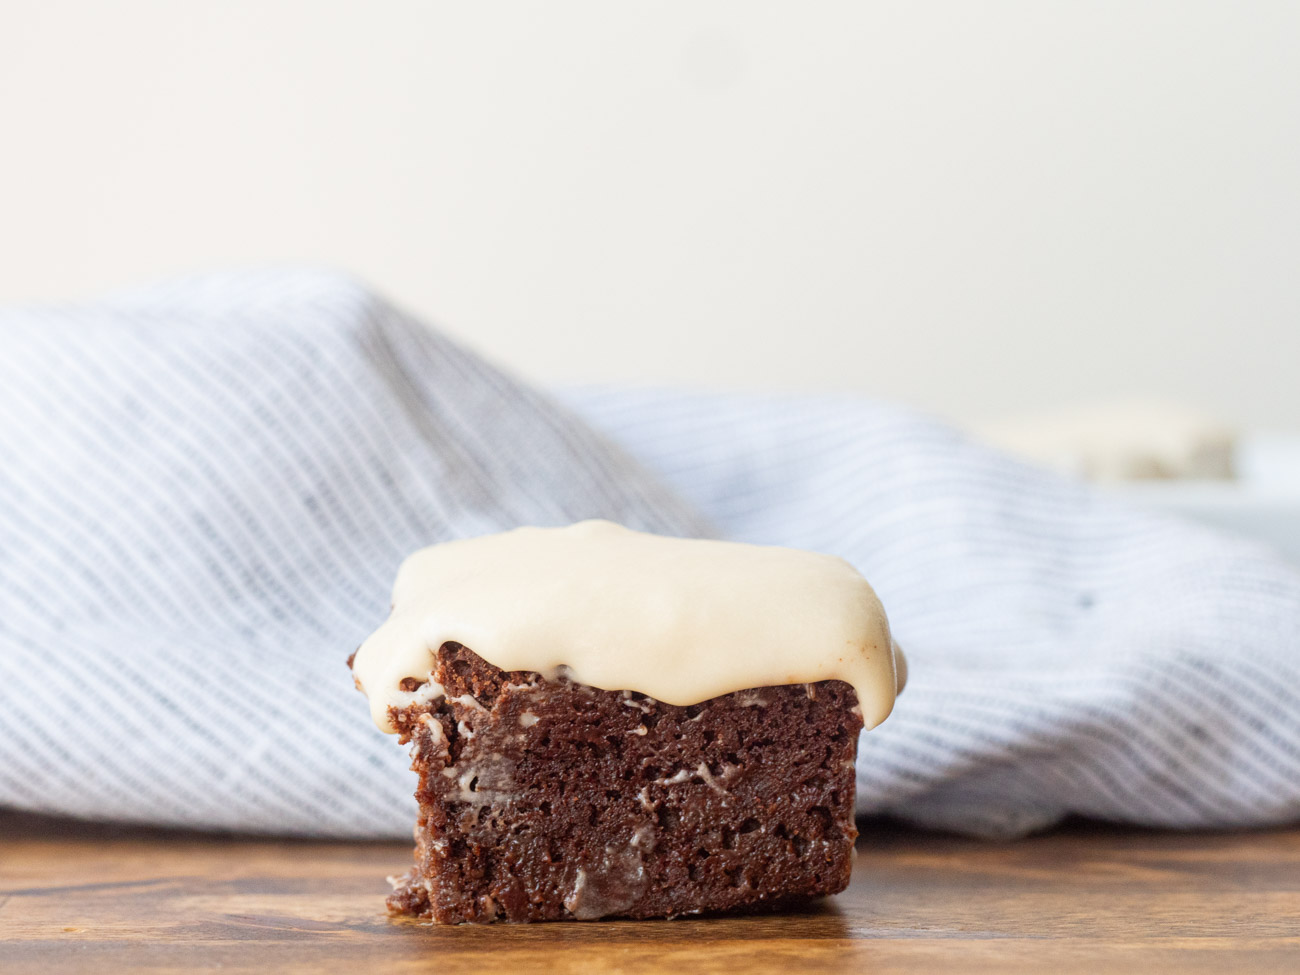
{"points": [[206, 488]]}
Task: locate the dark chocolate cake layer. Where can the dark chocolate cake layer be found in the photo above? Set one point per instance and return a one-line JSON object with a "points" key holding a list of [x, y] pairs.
{"points": [[548, 799]]}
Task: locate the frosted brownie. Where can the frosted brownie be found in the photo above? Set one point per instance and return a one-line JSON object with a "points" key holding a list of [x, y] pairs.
{"points": [[612, 724]]}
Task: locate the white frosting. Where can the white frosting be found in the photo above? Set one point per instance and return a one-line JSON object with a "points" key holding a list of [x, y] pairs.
{"points": [[680, 620]]}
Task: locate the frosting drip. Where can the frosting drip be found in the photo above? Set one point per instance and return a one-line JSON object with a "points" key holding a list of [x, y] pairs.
{"points": [[680, 620]]}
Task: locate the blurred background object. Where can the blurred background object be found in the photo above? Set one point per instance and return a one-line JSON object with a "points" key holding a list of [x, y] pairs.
{"points": [[1261, 500], [1121, 441], [1165, 456], [978, 209]]}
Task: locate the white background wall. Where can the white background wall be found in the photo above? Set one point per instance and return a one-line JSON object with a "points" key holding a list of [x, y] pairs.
{"points": [[976, 207]]}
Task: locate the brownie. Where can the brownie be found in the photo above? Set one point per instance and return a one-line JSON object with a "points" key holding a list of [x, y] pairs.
{"points": [[546, 799]]}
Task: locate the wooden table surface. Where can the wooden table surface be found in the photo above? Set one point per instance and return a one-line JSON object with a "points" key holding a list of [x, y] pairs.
{"points": [[1083, 898]]}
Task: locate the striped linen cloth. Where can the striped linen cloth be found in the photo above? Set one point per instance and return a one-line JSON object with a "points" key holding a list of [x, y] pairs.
{"points": [[206, 488]]}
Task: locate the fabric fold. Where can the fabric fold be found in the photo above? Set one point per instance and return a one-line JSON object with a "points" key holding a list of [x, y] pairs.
{"points": [[206, 487]]}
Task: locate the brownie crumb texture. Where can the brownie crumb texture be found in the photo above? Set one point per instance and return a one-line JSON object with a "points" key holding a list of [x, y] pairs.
{"points": [[550, 800]]}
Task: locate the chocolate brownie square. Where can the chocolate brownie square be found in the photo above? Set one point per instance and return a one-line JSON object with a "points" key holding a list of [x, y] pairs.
{"points": [[546, 799]]}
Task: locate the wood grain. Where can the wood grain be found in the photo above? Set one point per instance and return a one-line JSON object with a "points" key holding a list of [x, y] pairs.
{"points": [[1085, 899]]}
